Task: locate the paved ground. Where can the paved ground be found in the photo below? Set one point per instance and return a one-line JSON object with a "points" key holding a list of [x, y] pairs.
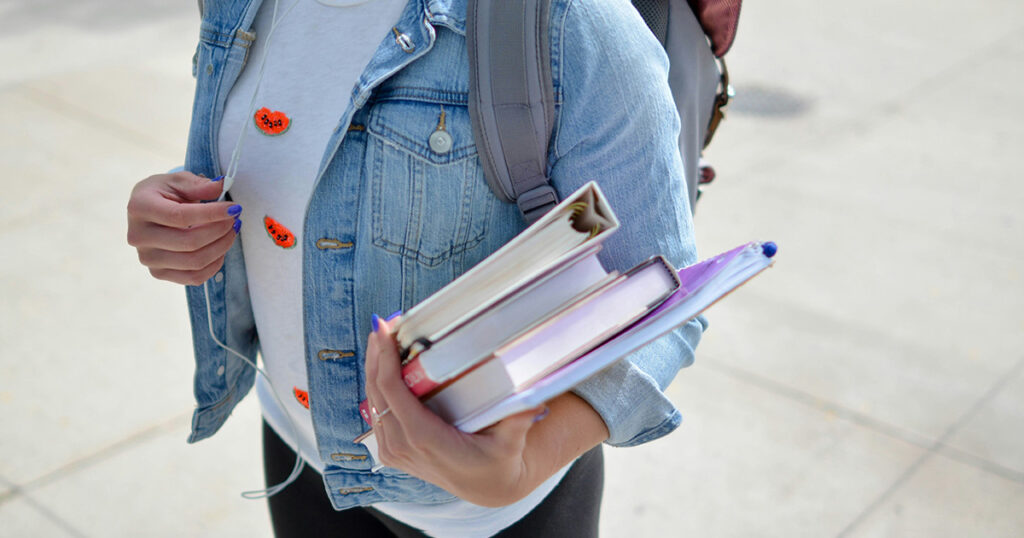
{"points": [[870, 385]]}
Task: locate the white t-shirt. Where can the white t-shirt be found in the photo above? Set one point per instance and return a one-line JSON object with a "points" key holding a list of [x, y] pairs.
{"points": [[304, 92]]}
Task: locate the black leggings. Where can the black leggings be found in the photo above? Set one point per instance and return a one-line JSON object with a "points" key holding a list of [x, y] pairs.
{"points": [[302, 509]]}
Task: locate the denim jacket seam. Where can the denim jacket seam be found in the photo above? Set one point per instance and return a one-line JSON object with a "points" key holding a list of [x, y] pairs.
{"points": [[428, 95], [558, 81], [420, 257]]}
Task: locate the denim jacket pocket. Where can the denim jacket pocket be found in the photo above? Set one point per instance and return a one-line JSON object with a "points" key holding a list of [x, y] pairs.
{"points": [[430, 200]]}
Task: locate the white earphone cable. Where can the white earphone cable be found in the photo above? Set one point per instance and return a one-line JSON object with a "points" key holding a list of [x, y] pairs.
{"points": [[229, 179], [299, 462], [236, 154]]}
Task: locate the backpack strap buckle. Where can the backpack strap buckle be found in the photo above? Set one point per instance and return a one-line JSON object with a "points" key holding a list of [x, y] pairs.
{"points": [[534, 203]]}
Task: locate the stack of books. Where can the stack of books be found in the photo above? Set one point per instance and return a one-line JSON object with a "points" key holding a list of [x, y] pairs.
{"points": [[541, 314]]}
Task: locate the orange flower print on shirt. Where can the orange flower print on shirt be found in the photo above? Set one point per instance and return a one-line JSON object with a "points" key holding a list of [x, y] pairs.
{"points": [[271, 122], [282, 236]]}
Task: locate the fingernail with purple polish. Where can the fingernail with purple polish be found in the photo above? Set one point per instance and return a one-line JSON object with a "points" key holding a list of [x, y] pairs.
{"points": [[235, 210], [237, 225], [376, 322], [393, 315], [542, 415], [218, 178]]}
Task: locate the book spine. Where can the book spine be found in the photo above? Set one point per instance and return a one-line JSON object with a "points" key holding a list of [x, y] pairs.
{"points": [[364, 411], [416, 378]]}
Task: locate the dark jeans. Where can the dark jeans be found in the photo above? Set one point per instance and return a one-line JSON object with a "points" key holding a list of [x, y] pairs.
{"points": [[302, 509]]}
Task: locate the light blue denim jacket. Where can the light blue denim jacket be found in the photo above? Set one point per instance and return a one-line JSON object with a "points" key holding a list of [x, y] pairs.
{"points": [[390, 221]]}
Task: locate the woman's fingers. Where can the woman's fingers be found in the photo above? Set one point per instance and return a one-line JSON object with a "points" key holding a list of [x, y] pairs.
{"points": [[155, 258], [372, 395], [409, 431], [378, 404], [174, 200], [156, 236], [189, 278], [415, 419], [189, 187], [390, 439]]}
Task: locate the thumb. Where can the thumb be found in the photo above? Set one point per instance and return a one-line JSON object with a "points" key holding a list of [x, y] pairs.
{"points": [[189, 187], [513, 428]]}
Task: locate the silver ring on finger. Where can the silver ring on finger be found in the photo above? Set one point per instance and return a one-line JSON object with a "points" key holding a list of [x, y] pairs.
{"points": [[377, 416]]}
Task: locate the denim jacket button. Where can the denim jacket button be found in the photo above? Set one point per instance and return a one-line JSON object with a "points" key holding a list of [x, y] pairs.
{"points": [[219, 277], [440, 142], [405, 42]]}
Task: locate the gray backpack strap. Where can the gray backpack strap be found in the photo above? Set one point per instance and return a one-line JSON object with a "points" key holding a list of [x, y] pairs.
{"points": [[511, 99]]}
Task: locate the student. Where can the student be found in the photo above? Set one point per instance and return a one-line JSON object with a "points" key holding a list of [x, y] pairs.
{"points": [[357, 190]]}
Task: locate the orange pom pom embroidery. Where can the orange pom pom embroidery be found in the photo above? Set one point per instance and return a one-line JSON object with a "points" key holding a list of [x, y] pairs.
{"points": [[271, 122], [302, 396], [282, 237]]}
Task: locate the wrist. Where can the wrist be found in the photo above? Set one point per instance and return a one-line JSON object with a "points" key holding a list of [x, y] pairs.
{"points": [[570, 428]]}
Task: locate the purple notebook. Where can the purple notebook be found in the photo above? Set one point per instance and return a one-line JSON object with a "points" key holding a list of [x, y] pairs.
{"points": [[694, 277], [703, 284]]}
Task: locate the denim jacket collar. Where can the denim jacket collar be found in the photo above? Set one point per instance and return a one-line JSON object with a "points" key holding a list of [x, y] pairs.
{"points": [[224, 18], [449, 13]]}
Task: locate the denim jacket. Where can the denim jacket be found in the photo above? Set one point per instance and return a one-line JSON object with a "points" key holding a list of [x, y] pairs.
{"points": [[391, 221]]}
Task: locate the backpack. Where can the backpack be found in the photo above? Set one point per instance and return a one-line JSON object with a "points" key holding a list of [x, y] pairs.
{"points": [[513, 117]]}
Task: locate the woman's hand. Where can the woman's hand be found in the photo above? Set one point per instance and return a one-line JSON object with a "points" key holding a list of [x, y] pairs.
{"points": [[488, 468], [178, 238]]}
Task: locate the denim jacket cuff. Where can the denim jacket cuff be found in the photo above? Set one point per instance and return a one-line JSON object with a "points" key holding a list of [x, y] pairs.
{"points": [[629, 401]]}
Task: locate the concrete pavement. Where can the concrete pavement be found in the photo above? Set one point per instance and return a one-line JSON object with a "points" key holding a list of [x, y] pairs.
{"points": [[871, 384]]}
